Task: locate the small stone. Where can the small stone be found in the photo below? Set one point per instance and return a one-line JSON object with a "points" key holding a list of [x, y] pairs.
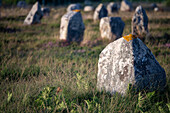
{"points": [[34, 15], [111, 27], [74, 7], [22, 4], [112, 7], [125, 62], [154, 5], [126, 6], [72, 27], [156, 9], [100, 12], [88, 8], [46, 11], [140, 22], [87, 2]]}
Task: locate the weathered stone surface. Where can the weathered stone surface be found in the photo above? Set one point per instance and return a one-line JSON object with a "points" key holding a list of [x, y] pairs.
{"points": [[111, 27], [34, 15], [122, 63], [100, 12], [21, 4], [88, 8], [72, 7], [126, 6], [46, 11], [72, 27], [112, 7], [139, 22]]}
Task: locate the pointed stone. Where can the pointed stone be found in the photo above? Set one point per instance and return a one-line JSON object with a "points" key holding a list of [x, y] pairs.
{"points": [[34, 15], [129, 61], [72, 7], [139, 22], [126, 5], [112, 7], [100, 12]]}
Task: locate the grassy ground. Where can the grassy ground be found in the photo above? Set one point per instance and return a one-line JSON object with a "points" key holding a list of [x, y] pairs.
{"points": [[40, 74]]}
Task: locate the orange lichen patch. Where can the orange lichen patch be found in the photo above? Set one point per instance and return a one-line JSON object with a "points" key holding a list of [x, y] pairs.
{"points": [[129, 37], [76, 10]]}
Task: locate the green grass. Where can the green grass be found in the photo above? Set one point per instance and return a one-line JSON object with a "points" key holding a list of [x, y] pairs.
{"points": [[34, 64]]}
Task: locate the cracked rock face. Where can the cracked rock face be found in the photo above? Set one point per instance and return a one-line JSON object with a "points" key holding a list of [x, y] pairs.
{"points": [[34, 15], [111, 27], [72, 7], [112, 7], [126, 5], [122, 63], [72, 27], [100, 12], [139, 22]]}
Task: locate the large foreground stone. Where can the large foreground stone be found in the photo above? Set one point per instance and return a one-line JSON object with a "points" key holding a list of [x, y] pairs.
{"points": [[111, 27], [125, 62], [34, 15], [112, 7], [72, 27], [72, 7], [126, 6], [100, 12], [139, 22]]}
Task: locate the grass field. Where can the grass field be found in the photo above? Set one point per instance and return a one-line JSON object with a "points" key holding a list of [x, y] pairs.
{"points": [[40, 74]]}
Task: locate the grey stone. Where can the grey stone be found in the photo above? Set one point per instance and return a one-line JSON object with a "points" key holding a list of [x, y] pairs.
{"points": [[122, 63], [154, 5], [140, 22], [100, 12], [87, 2], [88, 8], [22, 4], [111, 27], [34, 15], [72, 7], [72, 27], [126, 6], [46, 11], [112, 7]]}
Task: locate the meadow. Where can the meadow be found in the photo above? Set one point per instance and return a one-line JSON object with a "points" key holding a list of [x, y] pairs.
{"points": [[39, 73]]}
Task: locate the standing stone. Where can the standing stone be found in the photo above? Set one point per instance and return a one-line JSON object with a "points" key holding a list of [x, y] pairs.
{"points": [[153, 6], [126, 6], [72, 7], [112, 7], [139, 22], [111, 27], [21, 4], [87, 2], [129, 61], [88, 8], [34, 15], [100, 12], [72, 27], [46, 11]]}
